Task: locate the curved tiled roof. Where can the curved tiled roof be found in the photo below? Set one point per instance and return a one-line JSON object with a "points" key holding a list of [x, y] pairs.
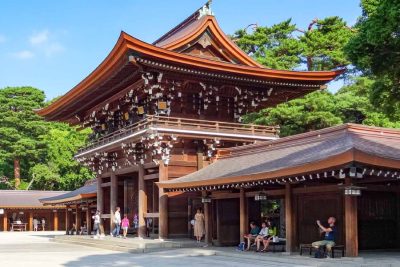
{"points": [[89, 190], [292, 155], [25, 198]]}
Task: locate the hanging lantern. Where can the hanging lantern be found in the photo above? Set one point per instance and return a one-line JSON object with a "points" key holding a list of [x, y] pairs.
{"points": [[261, 196], [206, 199], [352, 190]]}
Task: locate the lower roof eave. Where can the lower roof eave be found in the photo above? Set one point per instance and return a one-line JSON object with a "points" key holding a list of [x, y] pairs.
{"points": [[65, 201], [336, 161]]}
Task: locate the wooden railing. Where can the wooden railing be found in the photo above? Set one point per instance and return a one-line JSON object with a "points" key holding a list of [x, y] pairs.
{"points": [[183, 124]]}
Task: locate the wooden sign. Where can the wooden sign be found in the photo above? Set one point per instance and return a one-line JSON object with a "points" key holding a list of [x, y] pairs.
{"points": [[162, 105]]}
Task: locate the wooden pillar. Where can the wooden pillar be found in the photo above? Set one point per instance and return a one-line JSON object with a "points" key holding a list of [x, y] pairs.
{"points": [[100, 203], [200, 160], [207, 221], [88, 224], [142, 202], [78, 218], [125, 211], [66, 219], [163, 204], [5, 221], [55, 221], [242, 212], [351, 223], [113, 198], [289, 219], [30, 221]]}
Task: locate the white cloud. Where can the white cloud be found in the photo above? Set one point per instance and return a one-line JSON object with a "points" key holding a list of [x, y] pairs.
{"points": [[23, 54], [39, 38], [2, 39], [43, 42]]}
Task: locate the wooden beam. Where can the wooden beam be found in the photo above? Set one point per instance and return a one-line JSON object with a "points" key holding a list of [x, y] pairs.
{"points": [[207, 221], [142, 209], [5, 221], [55, 221], [242, 212], [108, 184], [113, 198], [150, 176], [351, 223], [88, 219], [78, 219], [163, 203], [289, 219], [100, 203], [30, 221], [66, 219]]}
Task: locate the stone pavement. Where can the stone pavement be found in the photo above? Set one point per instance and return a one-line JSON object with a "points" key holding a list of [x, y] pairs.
{"points": [[38, 249], [28, 249]]}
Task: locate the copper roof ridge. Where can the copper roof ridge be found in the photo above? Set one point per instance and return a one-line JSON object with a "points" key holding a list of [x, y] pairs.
{"points": [[194, 16], [305, 138]]}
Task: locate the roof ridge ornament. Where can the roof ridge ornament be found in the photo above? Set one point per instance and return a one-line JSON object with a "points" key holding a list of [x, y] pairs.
{"points": [[206, 10]]}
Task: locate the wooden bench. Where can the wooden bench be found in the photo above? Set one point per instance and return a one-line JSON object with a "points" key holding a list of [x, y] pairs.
{"points": [[310, 248], [281, 244]]}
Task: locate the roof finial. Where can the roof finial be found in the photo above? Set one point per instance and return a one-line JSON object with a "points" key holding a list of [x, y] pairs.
{"points": [[206, 10]]}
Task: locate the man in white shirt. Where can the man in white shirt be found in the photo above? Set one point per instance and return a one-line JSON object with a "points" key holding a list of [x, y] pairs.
{"points": [[96, 226], [117, 223]]}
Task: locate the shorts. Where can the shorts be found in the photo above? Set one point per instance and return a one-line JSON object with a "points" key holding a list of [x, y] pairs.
{"points": [[267, 237], [125, 228]]}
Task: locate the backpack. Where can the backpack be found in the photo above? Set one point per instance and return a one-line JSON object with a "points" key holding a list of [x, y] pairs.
{"points": [[320, 254], [241, 246]]}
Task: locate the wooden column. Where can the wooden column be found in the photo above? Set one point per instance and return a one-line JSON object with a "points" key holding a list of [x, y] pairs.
{"points": [[88, 224], [55, 221], [207, 221], [125, 211], [78, 218], [30, 221], [100, 203], [163, 204], [5, 221], [66, 220], [113, 198], [351, 223], [242, 211], [142, 202], [289, 219], [200, 160]]}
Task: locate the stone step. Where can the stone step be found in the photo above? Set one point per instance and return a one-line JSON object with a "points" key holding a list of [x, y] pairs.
{"points": [[124, 245]]}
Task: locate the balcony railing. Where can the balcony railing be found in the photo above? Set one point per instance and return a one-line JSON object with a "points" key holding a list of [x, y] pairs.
{"points": [[183, 125]]}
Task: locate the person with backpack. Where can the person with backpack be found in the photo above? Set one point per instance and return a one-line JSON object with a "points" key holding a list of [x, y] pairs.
{"points": [[329, 238]]}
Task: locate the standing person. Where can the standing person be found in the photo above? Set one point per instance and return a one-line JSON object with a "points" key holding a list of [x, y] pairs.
{"points": [[199, 228], [136, 223], [96, 224], [125, 225], [149, 223], [117, 223], [329, 237], [35, 224], [43, 224]]}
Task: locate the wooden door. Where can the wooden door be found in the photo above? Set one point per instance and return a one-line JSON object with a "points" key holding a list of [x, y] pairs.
{"points": [[228, 222]]}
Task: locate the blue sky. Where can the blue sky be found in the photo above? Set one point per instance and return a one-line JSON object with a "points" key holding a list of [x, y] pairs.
{"points": [[53, 45]]}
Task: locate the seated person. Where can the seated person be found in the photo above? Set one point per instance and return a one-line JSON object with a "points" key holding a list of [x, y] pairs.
{"points": [[261, 235], [254, 230], [269, 237], [329, 236]]}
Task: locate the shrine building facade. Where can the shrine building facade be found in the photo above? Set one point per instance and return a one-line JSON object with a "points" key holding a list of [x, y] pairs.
{"points": [[160, 111]]}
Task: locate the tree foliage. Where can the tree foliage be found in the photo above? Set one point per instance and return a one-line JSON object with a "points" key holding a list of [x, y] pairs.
{"points": [[322, 109], [375, 50], [284, 46], [44, 150]]}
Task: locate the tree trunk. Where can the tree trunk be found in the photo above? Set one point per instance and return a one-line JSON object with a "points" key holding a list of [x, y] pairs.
{"points": [[17, 173]]}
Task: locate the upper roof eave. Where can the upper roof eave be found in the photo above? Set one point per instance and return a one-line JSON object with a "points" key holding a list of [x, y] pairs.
{"points": [[127, 44]]}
